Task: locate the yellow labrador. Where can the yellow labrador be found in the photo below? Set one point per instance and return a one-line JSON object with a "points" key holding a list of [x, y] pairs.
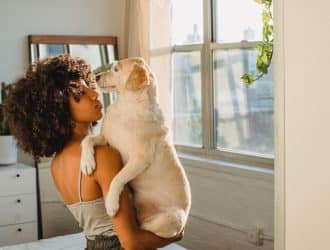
{"points": [[134, 125]]}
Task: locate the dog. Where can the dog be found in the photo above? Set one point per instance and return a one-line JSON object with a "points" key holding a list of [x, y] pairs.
{"points": [[134, 125]]}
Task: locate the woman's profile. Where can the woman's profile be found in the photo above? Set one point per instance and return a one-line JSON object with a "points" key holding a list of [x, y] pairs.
{"points": [[50, 110]]}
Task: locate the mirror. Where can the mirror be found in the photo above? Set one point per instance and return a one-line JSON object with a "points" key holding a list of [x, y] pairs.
{"points": [[96, 50]]}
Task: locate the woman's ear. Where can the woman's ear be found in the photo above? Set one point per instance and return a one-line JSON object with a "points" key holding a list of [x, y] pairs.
{"points": [[138, 78]]}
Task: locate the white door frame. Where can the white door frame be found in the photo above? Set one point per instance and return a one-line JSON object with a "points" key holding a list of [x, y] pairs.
{"points": [[279, 110]]}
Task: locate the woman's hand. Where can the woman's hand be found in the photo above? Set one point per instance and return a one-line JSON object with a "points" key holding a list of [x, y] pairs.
{"points": [[175, 238], [149, 241], [179, 236]]}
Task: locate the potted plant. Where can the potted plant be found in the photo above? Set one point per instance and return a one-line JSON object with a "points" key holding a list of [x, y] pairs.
{"points": [[8, 149]]}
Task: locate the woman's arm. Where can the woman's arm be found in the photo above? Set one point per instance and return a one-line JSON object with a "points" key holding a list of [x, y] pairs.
{"points": [[153, 241], [131, 237]]}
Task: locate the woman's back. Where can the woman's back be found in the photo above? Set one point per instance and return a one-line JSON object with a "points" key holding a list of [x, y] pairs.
{"points": [[66, 170], [90, 213]]}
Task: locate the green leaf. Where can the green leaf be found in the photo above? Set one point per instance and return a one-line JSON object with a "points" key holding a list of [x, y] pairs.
{"points": [[270, 29], [259, 47], [248, 78], [265, 16], [264, 59], [259, 61]]}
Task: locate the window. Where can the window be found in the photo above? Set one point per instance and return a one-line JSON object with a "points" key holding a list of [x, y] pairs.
{"points": [[187, 98], [215, 114]]}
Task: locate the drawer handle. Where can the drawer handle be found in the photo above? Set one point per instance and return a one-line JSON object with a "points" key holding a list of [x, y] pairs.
{"points": [[19, 229], [18, 175], [18, 200]]}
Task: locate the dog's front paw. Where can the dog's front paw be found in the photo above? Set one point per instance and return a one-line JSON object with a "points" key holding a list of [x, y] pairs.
{"points": [[112, 204], [87, 161]]}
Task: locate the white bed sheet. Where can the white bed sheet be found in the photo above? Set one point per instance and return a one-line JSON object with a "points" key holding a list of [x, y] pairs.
{"points": [[66, 242]]}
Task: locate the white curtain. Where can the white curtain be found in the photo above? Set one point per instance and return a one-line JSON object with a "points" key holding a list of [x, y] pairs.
{"points": [[149, 36], [138, 28]]}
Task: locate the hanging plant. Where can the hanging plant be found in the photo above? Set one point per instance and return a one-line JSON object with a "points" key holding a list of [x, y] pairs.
{"points": [[265, 47]]}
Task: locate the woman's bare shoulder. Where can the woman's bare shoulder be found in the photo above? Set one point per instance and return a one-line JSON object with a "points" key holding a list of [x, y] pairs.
{"points": [[106, 150], [107, 159]]}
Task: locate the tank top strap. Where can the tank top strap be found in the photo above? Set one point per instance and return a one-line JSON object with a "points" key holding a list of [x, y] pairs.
{"points": [[79, 185]]}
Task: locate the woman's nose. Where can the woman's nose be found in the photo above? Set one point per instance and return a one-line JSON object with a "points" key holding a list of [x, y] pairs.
{"points": [[94, 94]]}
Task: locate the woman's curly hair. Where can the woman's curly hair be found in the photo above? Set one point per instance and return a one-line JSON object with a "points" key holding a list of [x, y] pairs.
{"points": [[37, 107]]}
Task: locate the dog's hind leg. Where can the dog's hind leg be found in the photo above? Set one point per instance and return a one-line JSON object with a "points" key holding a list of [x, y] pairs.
{"points": [[87, 161], [166, 224]]}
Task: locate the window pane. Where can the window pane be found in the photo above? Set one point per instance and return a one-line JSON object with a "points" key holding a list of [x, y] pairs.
{"points": [[243, 115], [46, 50], [91, 53], [187, 127], [111, 53], [238, 20], [187, 21]]}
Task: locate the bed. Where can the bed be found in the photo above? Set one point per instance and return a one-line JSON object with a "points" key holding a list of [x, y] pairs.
{"points": [[67, 242]]}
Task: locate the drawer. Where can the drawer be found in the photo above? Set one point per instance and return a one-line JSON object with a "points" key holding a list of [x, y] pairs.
{"points": [[17, 180], [18, 209], [19, 233]]}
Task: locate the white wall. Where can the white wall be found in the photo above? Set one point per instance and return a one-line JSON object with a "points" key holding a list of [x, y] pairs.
{"points": [[19, 18], [304, 64], [227, 201]]}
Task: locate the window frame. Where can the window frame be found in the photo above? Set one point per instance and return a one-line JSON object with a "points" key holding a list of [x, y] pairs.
{"points": [[206, 49]]}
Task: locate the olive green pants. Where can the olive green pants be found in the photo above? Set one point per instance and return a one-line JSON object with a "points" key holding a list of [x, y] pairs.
{"points": [[104, 243]]}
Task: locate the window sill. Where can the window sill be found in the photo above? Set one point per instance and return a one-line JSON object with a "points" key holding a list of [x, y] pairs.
{"points": [[190, 161]]}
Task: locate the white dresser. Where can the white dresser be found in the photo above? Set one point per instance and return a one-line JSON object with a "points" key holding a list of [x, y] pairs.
{"points": [[18, 206]]}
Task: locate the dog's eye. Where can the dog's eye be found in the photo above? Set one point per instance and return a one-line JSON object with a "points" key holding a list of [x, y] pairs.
{"points": [[97, 78], [116, 69]]}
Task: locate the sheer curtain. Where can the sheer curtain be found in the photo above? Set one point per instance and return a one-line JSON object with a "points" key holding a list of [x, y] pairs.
{"points": [[149, 27], [138, 28]]}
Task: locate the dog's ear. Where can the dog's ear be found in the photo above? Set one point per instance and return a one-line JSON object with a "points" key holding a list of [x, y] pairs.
{"points": [[138, 78]]}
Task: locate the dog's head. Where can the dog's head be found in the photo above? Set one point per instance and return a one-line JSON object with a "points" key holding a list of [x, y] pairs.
{"points": [[131, 74]]}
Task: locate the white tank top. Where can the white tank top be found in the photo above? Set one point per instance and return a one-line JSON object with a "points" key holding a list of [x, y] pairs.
{"points": [[92, 216]]}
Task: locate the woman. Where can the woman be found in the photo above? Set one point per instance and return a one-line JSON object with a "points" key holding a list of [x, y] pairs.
{"points": [[50, 110]]}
